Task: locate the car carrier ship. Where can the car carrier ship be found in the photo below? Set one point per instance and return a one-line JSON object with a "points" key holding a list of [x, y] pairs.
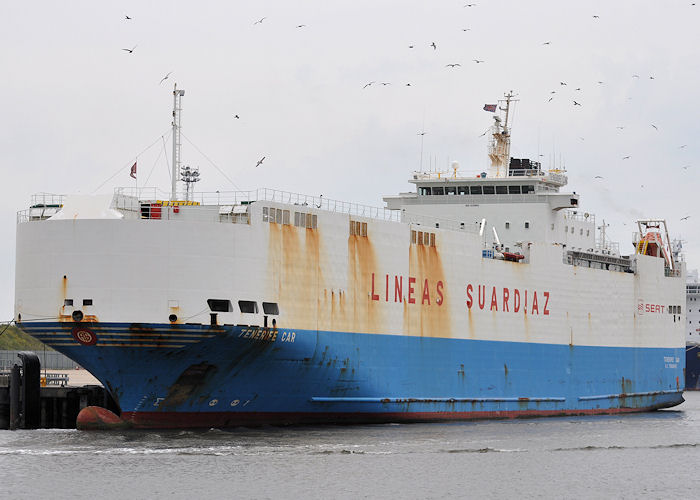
{"points": [[471, 296]]}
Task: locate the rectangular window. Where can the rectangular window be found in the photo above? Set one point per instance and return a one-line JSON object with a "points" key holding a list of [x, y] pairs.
{"points": [[271, 308], [588, 232], [278, 216], [220, 305], [314, 221], [68, 302], [424, 191], [432, 239], [489, 190], [572, 229], [450, 190], [364, 229], [413, 237], [296, 218], [248, 306], [420, 237], [507, 225], [273, 212], [463, 190], [513, 189], [265, 216], [87, 302], [528, 189], [581, 233], [308, 221], [438, 190], [501, 189], [285, 217], [475, 189], [527, 225]]}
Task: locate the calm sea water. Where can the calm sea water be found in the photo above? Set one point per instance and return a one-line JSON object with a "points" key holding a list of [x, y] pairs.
{"points": [[655, 455]]}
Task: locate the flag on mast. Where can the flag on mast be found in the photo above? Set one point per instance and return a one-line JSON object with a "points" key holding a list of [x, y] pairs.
{"points": [[133, 171], [490, 107]]}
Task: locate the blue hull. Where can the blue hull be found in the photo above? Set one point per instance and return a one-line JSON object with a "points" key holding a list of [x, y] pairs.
{"points": [[165, 375]]}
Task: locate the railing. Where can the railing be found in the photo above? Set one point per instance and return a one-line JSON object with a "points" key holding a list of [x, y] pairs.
{"points": [[222, 198]]}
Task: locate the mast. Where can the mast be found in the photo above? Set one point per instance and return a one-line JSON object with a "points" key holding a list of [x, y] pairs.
{"points": [[177, 109], [499, 148]]}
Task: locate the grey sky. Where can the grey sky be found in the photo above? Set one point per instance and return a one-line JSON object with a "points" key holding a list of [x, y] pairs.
{"points": [[77, 108]]}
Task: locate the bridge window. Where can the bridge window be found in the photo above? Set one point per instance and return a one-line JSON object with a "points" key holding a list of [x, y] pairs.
{"points": [[248, 306], [450, 190], [423, 238], [475, 189], [489, 190], [513, 189], [424, 191], [507, 225], [527, 225], [87, 302], [68, 302], [271, 308], [527, 189], [220, 305], [501, 189], [462, 189], [438, 190]]}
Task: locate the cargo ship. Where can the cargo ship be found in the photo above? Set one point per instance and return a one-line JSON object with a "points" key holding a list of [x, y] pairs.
{"points": [[479, 295], [692, 341]]}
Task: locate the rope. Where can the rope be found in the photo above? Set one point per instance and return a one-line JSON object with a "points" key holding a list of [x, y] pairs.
{"points": [[210, 161], [7, 326], [128, 164], [154, 163]]}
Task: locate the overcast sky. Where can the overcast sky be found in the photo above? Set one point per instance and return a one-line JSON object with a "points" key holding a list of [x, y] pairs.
{"points": [[76, 108]]}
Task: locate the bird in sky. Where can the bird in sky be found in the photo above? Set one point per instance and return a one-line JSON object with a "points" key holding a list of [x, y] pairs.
{"points": [[626, 157], [477, 61], [651, 78], [421, 133], [550, 99], [582, 138], [600, 83], [237, 117], [598, 177], [259, 21], [562, 83], [686, 167], [635, 76], [260, 161], [127, 18], [577, 103], [470, 5], [408, 85], [619, 128], [687, 216], [453, 65], [385, 83], [466, 29], [546, 43], [301, 26], [410, 46], [368, 84], [131, 49], [577, 88], [655, 127], [165, 78], [681, 147], [553, 92], [433, 46], [596, 17]]}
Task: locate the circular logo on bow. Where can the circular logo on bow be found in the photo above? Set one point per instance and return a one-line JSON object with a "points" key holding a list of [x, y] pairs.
{"points": [[84, 336]]}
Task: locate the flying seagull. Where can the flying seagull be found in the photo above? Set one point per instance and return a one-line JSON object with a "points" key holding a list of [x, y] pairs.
{"points": [[619, 128], [368, 84], [576, 103], [626, 157], [550, 99], [546, 43], [477, 61], [596, 17], [655, 127], [260, 161], [301, 26], [635, 76], [685, 218], [452, 65], [598, 177], [562, 83], [260, 21], [577, 88], [466, 29], [408, 85], [681, 147], [686, 167], [131, 49], [410, 46], [421, 133], [127, 18], [433, 46], [165, 78], [237, 117], [470, 5]]}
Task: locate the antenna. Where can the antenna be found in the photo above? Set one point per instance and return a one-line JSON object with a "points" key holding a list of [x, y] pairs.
{"points": [[177, 109]]}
